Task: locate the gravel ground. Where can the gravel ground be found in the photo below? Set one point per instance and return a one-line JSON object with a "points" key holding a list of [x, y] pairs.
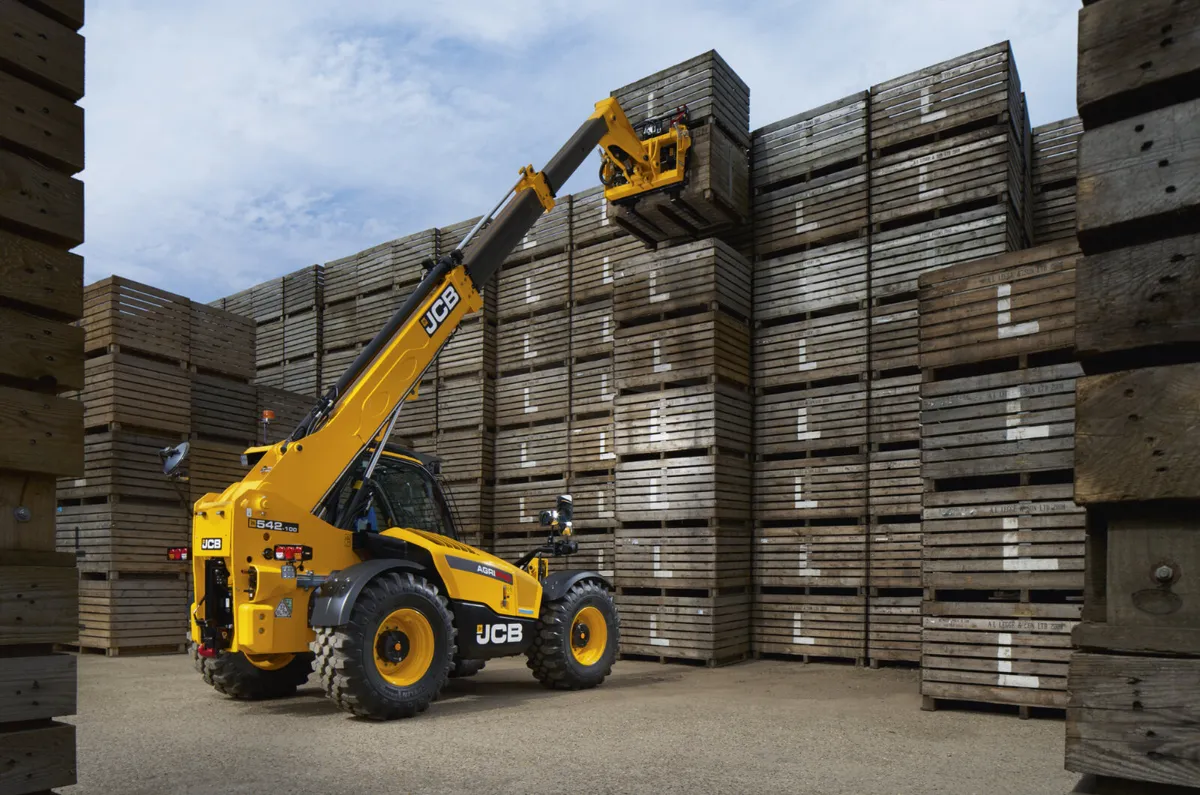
{"points": [[150, 725]]}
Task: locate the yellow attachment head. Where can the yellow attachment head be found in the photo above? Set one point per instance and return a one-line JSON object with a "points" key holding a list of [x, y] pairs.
{"points": [[536, 181]]}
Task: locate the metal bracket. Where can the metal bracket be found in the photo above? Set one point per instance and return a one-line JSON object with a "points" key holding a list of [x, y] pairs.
{"points": [[536, 181]]}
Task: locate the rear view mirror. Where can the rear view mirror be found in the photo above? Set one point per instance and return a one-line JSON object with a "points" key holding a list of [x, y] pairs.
{"points": [[565, 509]]}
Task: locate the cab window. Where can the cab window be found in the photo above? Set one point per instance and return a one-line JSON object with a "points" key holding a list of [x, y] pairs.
{"points": [[412, 497]]}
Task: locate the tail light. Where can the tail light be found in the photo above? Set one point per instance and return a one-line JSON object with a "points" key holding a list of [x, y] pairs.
{"points": [[179, 553], [292, 552]]}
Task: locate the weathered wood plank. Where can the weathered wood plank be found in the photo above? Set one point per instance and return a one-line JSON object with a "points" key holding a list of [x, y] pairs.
{"points": [[40, 199], [36, 687], [34, 759], [41, 49], [36, 495], [48, 352], [41, 123], [38, 604], [1137, 433], [40, 275], [1149, 579], [40, 433]]}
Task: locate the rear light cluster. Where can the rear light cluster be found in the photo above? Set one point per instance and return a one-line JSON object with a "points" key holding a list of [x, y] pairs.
{"points": [[179, 553], [292, 552]]}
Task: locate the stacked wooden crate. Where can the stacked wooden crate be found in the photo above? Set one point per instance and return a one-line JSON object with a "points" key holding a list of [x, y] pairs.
{"points": [[41, 431], [1135, 684], [683, 415], [810, 360], [1053, 174], [716, 194], [1002, 540]]}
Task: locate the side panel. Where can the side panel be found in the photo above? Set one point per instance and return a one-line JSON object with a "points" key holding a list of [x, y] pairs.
{"points": [[482, 634]]}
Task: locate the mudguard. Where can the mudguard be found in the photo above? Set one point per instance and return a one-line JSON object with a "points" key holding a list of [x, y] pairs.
{"points": [[335, 598], [556, 585]]}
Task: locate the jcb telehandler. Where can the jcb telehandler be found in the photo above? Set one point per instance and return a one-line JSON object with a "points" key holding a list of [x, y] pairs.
{"points": [[339, 550]]}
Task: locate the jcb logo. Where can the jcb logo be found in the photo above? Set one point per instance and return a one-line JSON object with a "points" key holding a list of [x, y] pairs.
{"points": [[440, 309], [211, 544], [498, 633]]}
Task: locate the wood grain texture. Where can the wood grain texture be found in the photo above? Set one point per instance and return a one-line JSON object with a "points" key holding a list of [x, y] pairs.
{"points": [[47, 352], [1139, 179], [1138, 296], [1137, 547], [35, 758], [48, 126], [41, 276], [1134, 717], [41, 200], [41, 49], [38, 604], [35, 493], [1136, 640], [68, 12], [1135, 57], [40, 433], [36, 687], [1136, 436]]}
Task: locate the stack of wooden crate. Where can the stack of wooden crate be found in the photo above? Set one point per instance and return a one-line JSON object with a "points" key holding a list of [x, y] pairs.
{"points": [[716, 194], [810, 359], [41, 431], [1135, 684], [1002, 543], [1053, 174], [683, 415]]}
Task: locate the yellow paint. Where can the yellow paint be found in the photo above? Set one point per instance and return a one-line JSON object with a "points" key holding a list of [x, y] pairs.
{"points": [[644, 170], [589, 636], [415, 627]]}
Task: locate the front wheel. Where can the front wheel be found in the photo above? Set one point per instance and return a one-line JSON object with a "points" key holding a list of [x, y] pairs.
{"points": [[575, 643], [394, 655]]}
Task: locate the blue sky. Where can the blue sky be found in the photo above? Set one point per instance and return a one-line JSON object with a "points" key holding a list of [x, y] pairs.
{"points": [[230, 142]]}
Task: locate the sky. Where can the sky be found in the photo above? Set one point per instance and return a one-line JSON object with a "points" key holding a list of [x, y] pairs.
{"points": [[229, 142]]}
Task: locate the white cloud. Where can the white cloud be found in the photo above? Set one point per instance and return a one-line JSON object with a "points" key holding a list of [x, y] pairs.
{"points": [[232, 142]]}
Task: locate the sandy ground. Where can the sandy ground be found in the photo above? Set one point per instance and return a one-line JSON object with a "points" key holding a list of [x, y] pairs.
{"points": [[150, 725]]}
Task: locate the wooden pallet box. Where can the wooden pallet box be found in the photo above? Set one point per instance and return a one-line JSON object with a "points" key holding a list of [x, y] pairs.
{"points": [[810, 556], [127, 612], [1055, 169], [267, 300], [1029, 537], [35, 757], [409, 254], [894, 482], [1009, 305], [534, 341], [822, 140], [593, 443], [705, 273], [373, 310], [894, 415], [213, 466], [302, 334], [539, 450], [810, 488], [811, 419], [301, 376], [701, 416], [714, 628], [817, 625], [268, 348], [595, 503], [224, 408], [38, 685], [532, 397], [701, 345], [221, 342], [593, 386], [997, 652], [420, 414], [690, 485], [974, 88], [815, 280], [137, 317], [340, 282], [129, 536], [597, 552], [593, 265], [464, 402], [894, 628], [127, 389], [38, 603], [589, 219], [470, 350], [591, 329], [895, 336], [122, 462], [549, 235], [53, 445], [471, 502], [811, 213], [681, 556], [896, 544], [534, 286], [803, 351], [518, 504], [470, 453], [289, 408]]}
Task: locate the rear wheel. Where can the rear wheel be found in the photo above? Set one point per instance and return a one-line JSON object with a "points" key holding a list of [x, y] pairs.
{"points": [[253, 678], [575, 644], [393, 656]]}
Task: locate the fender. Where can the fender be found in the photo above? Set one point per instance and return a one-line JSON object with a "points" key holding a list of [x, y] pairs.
{"points": [[333, 601], [557, 584]]}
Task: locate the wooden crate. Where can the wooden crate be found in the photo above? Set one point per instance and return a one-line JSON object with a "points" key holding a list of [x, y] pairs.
{"points": [[894, 482], [449, 237], [127, 389], [38, 600], [267, 300], [597, 552], [127, 612], [806, 350], [213, 466], [691, 485], [528, 397], [706, 84], [700, 345], [971, 89], [517, 504], [240, 303], [895, 552], [224, 407], [593, 442], [339, 325], [705, 415], [594, 265], [811, 419], [125, 463], [591, 329], [302, 334], [822, 140], [301, 376], [895, 336], [810, 555], [467, 454], [408, 255], [899, 256], [290, 410], [705, 273], [534, 286], [1015, 537], [1016, 421], [533, 341], [895, 409], [595, 497], [812, 212], [816, 625], [894, 628], [471, 349], [137, 317], [471, 501], [420, 413], [997, 652], [38, 754], [268, 347], [589, 219], [684, 556], [122, 535], [593, 386], [714, 627], [302, 289], [340, 282], [221, 342], [811, 488], [50, 445], [539, 450], [467, 401], [550, 234], [1055, 169], [334, 364], [815, 280], [1129, 717], [373, 310], [1012, 304], [1136, 179]]}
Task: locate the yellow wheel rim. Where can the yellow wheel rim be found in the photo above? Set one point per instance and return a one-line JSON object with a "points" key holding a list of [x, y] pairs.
{"points": [[589, 636], [270, 662], [403, 647]]}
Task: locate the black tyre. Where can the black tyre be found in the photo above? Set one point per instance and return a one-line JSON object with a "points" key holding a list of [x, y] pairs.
{"points": [[464, 668], [236, 676], [394, 655], [575, 643]]}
